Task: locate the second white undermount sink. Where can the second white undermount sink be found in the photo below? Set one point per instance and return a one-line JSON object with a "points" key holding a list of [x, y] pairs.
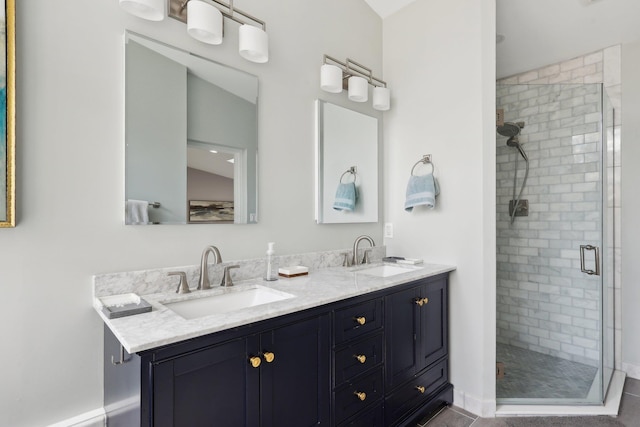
{"points": [[386, 270], [226, 302]]}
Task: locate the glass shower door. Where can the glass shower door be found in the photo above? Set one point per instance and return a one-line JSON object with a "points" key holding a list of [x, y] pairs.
{"points": [[554, 311]]}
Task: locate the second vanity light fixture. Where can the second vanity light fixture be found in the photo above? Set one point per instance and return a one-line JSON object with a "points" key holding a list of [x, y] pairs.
{"points": [[336, 75], [205, 22]]}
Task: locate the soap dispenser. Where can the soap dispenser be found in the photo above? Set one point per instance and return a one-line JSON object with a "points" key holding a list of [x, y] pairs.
{"points": [[271, 271]]}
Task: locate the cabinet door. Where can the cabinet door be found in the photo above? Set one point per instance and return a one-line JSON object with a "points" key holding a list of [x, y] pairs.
{"points": [[433, 325], [402, 330], [208, 387], [295, 385]]}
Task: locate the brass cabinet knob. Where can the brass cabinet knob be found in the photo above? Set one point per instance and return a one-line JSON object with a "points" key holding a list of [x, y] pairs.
{"points": [[420, 388], [255, 361], [361, 320], [361, 357], [421, 301], [360, 395], [268, 356]]}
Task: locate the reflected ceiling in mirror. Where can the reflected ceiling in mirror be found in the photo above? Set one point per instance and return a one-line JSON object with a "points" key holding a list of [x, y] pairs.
{"points": [[191, 138]]}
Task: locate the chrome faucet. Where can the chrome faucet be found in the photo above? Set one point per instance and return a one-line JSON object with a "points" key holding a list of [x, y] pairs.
{"points": [[204, 283], [365, 258]]}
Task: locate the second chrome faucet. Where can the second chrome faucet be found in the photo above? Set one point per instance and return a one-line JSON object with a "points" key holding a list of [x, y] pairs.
{"points": [[365, 258]]}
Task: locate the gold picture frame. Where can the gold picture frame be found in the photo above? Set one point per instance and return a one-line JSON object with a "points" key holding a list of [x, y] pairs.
{"points": [[7, 135]]}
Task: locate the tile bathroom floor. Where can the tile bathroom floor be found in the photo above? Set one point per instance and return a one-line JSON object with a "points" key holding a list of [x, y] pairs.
{"points": [[629, 416]]}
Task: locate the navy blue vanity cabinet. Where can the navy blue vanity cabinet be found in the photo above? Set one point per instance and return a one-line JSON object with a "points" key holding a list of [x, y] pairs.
{"points": [[375, 360], [206, 387], [276, 378], [416, 361]]}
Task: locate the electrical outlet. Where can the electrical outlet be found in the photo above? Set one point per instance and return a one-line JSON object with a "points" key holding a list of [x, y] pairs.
{"points": [[388, 229]]}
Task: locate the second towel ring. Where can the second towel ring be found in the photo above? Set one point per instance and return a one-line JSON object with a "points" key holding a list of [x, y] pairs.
{"points": [[426, 159], [352, 171]]}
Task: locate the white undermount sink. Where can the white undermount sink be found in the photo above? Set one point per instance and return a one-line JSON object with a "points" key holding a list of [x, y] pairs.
{"points": [[386, 270], [226, 302]]}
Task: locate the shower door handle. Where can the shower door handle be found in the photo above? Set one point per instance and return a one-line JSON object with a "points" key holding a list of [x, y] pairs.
{"points": [[596, 253]]}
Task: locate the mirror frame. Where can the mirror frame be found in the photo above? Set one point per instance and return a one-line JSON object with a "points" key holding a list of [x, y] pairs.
{"points": [[9, 220]]}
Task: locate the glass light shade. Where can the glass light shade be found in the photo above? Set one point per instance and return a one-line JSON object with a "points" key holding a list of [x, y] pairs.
{"points": [[381, 98], [152, 10], [204, 22], [331, 78], [358, 89], [253, 44]]}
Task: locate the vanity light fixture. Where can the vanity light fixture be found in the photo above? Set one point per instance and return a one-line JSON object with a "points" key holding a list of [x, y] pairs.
{"points": [[152, 10], [205, 22], [253, 39], [336, 75]]}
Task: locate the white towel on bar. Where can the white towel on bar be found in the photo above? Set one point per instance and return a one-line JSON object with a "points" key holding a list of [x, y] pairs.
{"points": [[137, 212]]}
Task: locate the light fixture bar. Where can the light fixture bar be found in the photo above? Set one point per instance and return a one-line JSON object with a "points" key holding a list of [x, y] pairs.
{"points": [[178, 10], [360, 70]]}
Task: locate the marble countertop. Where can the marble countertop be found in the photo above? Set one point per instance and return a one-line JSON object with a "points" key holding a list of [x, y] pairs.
{"points": [[163, 326]]}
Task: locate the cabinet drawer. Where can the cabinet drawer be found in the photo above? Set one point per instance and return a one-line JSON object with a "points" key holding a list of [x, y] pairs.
{"points": [[410, 395], [358, 395], [356, 358], [371, 418], [354, 321]]}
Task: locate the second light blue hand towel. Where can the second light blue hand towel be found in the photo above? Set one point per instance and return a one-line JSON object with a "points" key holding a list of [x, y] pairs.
{"points": [[421, 191], [346, 196]]}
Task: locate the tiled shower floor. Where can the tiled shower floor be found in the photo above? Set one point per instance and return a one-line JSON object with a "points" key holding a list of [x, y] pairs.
{"points": [[529, 374]]}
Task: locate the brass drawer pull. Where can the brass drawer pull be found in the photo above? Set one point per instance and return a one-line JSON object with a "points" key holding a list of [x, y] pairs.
{"points": [[361, 320], [255, 361], [361, 357], [420, 388], [268, 356], [360, 395]]}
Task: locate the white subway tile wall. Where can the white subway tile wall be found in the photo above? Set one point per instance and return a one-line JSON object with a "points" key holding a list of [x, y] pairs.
{"points": [[544, 302]]}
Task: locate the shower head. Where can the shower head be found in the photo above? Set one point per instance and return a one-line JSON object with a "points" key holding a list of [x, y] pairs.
{"points": [[514, 142], [510, 129]]}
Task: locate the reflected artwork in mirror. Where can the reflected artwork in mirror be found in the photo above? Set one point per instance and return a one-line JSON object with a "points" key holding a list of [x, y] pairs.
{"points": [[346, 165], [190, 135]]}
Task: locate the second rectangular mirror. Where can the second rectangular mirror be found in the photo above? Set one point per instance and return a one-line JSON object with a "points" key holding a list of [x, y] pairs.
{"points": [[346, 165]]}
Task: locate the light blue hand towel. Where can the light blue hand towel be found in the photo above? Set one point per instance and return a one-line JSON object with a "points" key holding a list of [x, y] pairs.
{"points": [[421, 191], [346, 196]]}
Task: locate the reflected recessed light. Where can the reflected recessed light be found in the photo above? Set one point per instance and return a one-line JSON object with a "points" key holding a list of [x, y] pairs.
{"points": [[231, 160], [213, 151]]}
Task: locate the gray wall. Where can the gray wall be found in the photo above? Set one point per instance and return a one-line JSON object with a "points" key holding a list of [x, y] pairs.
{"points": [[208, 186], [156, 129]]}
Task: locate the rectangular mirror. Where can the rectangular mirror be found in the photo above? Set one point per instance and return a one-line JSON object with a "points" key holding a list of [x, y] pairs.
{"points": [[346, 165], [191, 138]]}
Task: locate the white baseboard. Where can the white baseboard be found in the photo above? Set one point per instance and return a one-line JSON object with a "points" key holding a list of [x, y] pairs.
{"points": [[95, 418], [479, 407], [633, 371]]}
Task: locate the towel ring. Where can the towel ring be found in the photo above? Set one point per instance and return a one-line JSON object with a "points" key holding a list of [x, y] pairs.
{"points": [[352, 171], [426, 159]]}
